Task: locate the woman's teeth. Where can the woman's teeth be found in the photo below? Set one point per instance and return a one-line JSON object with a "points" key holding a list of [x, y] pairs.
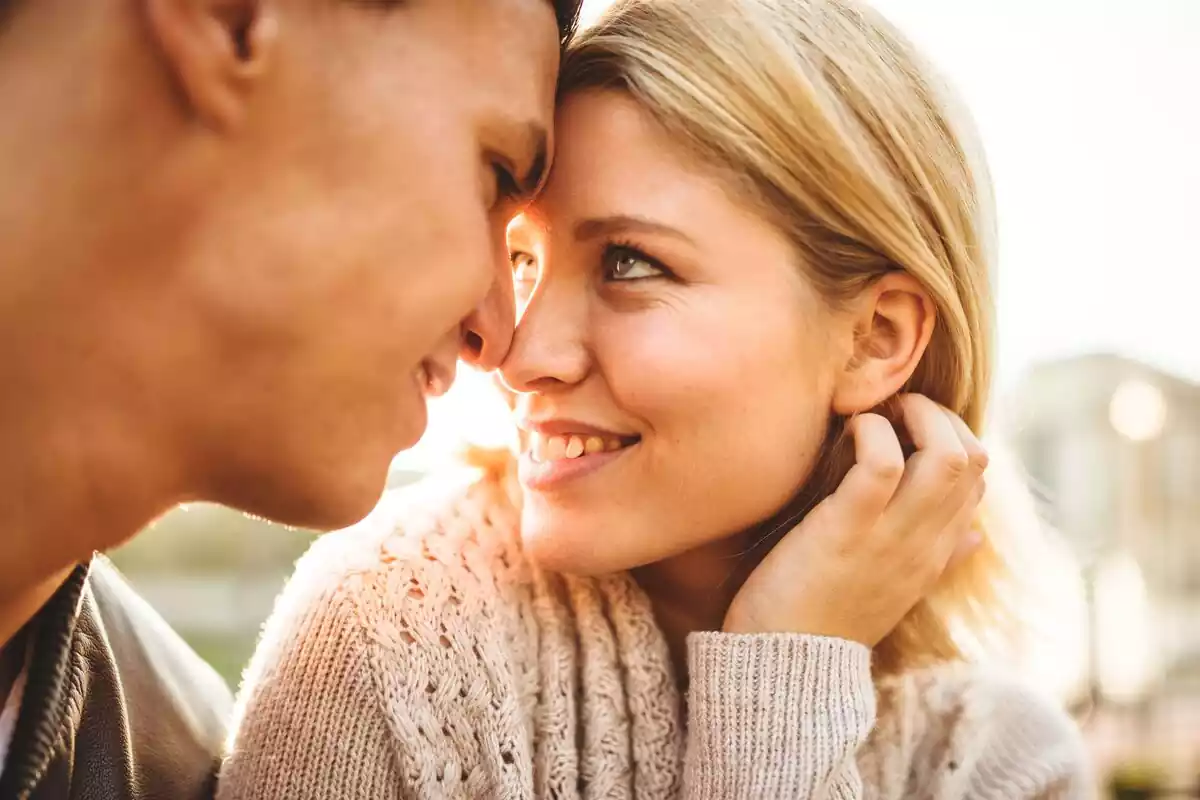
{"points": [[555, 448]]}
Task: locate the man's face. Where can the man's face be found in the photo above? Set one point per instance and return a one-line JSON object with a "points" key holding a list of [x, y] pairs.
{"points": [[353, 223]]}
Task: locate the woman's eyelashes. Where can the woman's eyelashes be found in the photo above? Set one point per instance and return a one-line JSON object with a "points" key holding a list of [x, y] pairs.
{"points": [[525, 273], [624, 262], [619, 264]]}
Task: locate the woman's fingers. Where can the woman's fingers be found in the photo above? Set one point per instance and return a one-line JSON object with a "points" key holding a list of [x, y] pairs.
{"points": [[940, 451], [976, 453], [868, 553], [878, 468], [926, 498], [934, 509], [963, 535]]}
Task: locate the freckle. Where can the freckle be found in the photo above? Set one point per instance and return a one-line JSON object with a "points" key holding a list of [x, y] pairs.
{"points": [[953, 765]]}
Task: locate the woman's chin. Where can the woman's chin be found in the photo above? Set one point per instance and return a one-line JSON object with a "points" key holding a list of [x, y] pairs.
{"points": [[578, 544], [558, 544], [556, 551]]}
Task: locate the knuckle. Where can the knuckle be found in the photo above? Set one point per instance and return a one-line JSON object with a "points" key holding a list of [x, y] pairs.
{"points": [[920, 574], [978, 458], [885, 469], [953, 463], [928, 570]]}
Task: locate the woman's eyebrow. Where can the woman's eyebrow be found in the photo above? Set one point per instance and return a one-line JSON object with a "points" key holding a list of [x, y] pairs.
{"points": [[597, 227]]}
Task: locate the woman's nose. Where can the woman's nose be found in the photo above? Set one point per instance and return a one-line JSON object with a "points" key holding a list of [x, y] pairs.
{"points": [[548, 347]]}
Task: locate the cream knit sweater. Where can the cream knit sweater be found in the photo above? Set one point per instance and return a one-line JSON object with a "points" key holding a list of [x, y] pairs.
{"points": [[419, 655]]}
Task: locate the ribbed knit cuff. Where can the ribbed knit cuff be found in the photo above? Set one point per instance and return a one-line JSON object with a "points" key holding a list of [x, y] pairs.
{"points": [[774, 715]]}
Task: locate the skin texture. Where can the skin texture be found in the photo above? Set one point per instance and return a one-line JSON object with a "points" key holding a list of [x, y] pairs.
{"points": [[231, 234], [694, 333]]}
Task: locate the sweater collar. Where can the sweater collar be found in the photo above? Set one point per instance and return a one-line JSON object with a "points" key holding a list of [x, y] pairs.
{"points": [[46, 700]]}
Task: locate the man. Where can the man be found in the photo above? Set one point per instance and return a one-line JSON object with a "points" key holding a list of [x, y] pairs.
{"points": [[241, 241]]}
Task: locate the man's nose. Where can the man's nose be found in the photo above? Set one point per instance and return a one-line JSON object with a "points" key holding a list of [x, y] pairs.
{"points": [[488, 332]]}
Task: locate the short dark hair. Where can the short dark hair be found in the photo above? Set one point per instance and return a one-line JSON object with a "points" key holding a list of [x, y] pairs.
{"points": [[567, 12]]}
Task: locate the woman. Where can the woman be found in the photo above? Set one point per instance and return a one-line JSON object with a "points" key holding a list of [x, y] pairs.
{"points": [[763, 239]]}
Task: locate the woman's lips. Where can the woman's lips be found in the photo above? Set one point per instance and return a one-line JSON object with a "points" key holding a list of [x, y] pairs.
{"points": [[553, 447], [550, 460]]}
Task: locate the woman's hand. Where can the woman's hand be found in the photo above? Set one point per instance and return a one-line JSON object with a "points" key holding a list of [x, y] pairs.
{"points": [[870, 551]]}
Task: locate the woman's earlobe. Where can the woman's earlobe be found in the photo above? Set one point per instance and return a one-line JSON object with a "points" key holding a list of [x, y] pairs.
{"points": [[894, 328], [860, 388]]}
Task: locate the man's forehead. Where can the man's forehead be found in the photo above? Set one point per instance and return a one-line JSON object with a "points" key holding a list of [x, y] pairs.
{"points": [[565, 14], [511, 58], [525, 20]]}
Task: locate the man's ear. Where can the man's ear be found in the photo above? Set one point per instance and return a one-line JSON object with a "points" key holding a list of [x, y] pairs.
{"points": [[894, 322], [216, 50]]}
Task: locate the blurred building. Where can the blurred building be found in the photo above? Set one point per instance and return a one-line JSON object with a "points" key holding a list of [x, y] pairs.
{"points": [[1112, 447]]}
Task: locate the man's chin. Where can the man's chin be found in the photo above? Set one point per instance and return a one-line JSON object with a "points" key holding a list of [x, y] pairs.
{"points": [[330, 514], [337, 495], [411, 422], [321, 499], [412, 429]]}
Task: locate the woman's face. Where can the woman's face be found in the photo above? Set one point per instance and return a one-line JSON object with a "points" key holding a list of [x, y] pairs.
{"points": [[673, 367]]}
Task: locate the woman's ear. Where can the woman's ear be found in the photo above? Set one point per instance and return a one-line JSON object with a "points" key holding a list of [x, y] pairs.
{"points": [[894, 321], [216, 50]]}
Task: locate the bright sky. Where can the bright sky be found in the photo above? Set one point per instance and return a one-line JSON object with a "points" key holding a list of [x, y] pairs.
{"points": [[1090, 115]]}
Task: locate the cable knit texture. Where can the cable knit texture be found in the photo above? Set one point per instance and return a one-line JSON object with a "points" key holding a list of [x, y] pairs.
{"points": [[419, 655]]}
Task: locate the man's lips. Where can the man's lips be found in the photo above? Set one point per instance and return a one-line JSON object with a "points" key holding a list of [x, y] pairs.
{"points": [[435, 377]]}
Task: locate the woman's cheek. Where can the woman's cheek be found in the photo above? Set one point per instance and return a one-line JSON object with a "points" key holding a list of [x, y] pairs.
{"points": [[660, 366]]}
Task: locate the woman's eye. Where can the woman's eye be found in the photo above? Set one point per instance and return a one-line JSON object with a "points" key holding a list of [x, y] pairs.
{"points": [[627, 264], [525, 272], [523, 265]]}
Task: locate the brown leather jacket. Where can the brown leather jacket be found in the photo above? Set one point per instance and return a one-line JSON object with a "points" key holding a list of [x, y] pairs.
{"points": [[116, 706]]}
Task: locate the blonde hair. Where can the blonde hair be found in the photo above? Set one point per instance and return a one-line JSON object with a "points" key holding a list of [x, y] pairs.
{"points": [[827, 119]]}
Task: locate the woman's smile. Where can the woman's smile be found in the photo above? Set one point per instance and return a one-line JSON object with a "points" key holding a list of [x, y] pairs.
{"points": [[558, 451]]}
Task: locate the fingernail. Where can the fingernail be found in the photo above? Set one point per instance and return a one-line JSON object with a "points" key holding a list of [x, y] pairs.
{"points": [[966, 545], [973, 539]]}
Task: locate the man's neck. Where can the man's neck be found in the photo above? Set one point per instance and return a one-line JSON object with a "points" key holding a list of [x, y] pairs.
{"points": [[70, 484], [12, 661], [15, 614]]}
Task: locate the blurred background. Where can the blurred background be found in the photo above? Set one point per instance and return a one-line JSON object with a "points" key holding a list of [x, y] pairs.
{"points": [[1090, 114]]}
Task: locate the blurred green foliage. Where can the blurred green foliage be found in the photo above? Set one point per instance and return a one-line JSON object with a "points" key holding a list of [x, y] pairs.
{"points": [[228, 550], [207, 539], [222, 546]]}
